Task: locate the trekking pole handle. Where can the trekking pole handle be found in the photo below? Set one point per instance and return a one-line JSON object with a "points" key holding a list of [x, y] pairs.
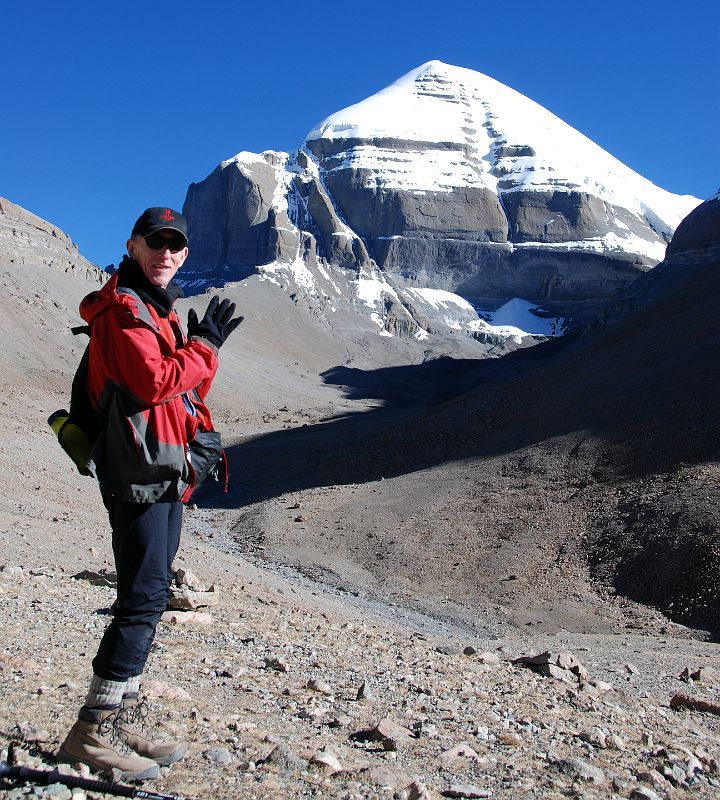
{"points": [[46, 777]]}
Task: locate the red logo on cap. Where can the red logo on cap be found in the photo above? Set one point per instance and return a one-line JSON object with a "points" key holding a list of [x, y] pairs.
{"points": [[167, 215]]}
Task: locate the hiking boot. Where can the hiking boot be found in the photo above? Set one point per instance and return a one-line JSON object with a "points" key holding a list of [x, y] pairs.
{"points": [[137, 734], [95, 740]]}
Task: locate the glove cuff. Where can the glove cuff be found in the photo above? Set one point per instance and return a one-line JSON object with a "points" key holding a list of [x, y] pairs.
{"points": [[206, 342]]}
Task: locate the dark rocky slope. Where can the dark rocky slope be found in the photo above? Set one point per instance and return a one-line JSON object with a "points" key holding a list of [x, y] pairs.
{"points": [[632, 418]]}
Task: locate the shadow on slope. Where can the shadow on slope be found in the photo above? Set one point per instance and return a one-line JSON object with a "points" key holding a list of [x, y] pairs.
{"points": [[647, 389], [385, 441], [434, 381]]}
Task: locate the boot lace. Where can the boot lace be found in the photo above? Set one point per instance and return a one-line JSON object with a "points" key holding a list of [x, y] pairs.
{"points": [[136, 716], [109, 730]]}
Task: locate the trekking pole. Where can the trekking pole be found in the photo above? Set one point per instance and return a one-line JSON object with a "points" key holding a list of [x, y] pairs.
{"points": [[46, 777]]}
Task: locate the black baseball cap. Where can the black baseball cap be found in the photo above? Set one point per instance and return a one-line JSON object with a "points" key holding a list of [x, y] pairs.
{"points": [[159, 218]]}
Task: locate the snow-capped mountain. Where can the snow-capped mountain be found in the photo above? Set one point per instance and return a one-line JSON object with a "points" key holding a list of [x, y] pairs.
{"points": [[448, 181], [440, 129], [457, 129]]}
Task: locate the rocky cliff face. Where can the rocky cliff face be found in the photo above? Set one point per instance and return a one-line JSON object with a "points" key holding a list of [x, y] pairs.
{"points": [[28, 239], [239, 218], [445, 180]]}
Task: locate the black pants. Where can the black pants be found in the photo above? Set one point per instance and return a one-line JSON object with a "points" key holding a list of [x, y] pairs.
{"points": [[145, 539]]}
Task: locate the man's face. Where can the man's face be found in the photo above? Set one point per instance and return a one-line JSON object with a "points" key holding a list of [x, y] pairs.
{"points": [[159, 266]]}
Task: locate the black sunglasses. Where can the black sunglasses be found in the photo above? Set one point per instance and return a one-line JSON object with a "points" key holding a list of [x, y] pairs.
{"points": [[157, 242]]}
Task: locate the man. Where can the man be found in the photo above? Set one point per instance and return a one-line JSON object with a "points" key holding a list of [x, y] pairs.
{"points": [[148, 382]]}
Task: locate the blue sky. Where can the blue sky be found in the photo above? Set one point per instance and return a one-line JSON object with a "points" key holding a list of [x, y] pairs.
{"points": [[110, 108]]}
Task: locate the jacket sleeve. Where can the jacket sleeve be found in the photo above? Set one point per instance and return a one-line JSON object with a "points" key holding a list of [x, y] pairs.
{"points": [[204, 387], [135, 362]]}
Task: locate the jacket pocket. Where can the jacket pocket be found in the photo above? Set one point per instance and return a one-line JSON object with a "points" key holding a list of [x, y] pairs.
{"points": [[205, 455]]}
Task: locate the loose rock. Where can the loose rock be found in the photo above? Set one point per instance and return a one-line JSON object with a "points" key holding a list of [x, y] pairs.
{"points": [[218, 755], [466, 790], [578, 768], [327, 760]]}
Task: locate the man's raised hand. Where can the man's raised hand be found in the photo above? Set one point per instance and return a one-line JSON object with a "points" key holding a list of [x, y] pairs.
{"points": [[217, 323]]}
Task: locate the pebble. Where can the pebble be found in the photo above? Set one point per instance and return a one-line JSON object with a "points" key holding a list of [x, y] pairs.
{"points": [[462, 750], [449, 724], [643, 793], [320, 686], [595, 737], [187, 618], [364, 692], [277, 664], [387, 729], [58, 791], [327, 760], [389, 777], [164, 690], [284, 759], [616, 742], [447, 649], [417, 791]]}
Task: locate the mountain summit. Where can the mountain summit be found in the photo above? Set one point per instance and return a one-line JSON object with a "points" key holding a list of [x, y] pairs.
{"points": [[446, 181], [442, 129]]}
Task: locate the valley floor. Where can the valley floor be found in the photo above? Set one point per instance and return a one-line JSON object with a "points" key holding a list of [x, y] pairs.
{"points": [[339, 567]]}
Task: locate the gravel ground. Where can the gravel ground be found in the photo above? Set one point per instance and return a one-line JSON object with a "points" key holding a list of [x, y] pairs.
{"points": [[272, 683]]}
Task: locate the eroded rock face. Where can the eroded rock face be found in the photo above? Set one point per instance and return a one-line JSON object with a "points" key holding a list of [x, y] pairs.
{"points": [[230, 218], [340, 246], [27, 239], [695, 245], [468, 213], [561, 216], [238, 220], [489, 274], [570, 279]]}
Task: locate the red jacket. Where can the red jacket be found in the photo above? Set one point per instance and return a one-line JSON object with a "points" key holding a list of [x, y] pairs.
{"points": [[151, 383]]}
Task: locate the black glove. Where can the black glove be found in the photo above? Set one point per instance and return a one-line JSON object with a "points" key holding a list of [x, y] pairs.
{"points": [[217, 324]]}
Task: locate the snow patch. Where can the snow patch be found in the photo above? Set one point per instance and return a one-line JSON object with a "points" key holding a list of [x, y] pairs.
{"points": [[440, 299], [519, 318], [370, 289], [296, 271], [610, 243], [515, 319]]}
